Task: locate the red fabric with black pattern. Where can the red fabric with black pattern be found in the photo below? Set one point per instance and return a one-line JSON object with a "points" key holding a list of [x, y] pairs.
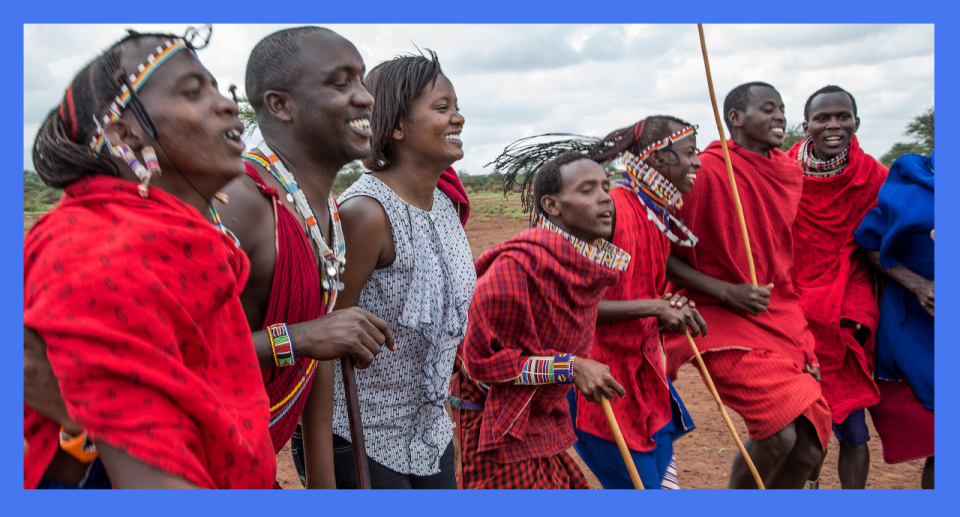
{"points": [[632, 348], [832, 281], [770, 187], [137, 300]]}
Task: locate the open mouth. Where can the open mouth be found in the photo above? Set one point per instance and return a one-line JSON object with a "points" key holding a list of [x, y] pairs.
{"points": [[833, 140], [777, 131], [234, 137], [606, 215], [361, 123], [692, 176], [453, 136]]}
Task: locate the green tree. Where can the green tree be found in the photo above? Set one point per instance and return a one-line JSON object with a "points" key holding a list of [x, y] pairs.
{"points": [[37, 196], [247, 115], [791, 136], [350, 173], [920, 129]]}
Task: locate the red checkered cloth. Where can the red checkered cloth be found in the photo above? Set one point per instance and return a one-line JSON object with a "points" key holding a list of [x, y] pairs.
{"points": [[138, 301], [831, 280], [632, 348], [482, 470], [535, 296], [295, 297], [770, 188]]}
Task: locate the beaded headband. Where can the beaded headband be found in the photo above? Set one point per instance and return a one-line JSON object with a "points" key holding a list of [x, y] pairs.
{"points": [[137, 81], [639, 173]]}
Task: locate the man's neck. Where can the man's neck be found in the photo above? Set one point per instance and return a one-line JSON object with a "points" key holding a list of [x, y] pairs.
{"points": [[756, 147], [314, 177]]}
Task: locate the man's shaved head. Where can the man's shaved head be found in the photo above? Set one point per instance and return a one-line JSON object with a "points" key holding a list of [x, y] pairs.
{"points": [[276, 63]]}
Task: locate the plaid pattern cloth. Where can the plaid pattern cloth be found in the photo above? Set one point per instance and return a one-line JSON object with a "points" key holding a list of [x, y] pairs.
{"points": [[854, 428], [482, 470], [900, 228], [831, 280], [535, 296]]}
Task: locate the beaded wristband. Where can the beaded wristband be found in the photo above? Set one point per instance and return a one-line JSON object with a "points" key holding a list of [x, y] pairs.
{"points": [[563, 368], [547, 370], [282, 347], [78, 446]]}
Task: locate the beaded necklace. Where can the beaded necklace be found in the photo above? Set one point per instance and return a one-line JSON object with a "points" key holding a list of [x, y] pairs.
{"points": [[815, 168], [602, 252], [658, 196], [223, 229], [331, 263]]}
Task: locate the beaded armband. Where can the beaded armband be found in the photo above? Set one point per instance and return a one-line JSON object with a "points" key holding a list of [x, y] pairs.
{"points": [[547, 370], [78, 446], [281, 345]]}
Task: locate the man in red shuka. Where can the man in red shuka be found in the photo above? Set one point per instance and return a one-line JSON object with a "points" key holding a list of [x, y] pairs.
{"points": [[840, 185], [759, 350], [530, 332]]}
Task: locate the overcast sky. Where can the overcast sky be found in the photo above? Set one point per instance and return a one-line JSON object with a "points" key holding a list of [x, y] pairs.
{"points": [[514, 81]]}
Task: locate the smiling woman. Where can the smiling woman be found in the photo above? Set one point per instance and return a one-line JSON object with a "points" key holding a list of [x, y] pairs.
{"points": [[159, 377], [411, 266]]}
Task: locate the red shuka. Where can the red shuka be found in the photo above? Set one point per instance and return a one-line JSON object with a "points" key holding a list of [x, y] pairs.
{"points": [[535, 296], [137, 300], [831, 280], [770, 188], [295, 297], [632, 348]]}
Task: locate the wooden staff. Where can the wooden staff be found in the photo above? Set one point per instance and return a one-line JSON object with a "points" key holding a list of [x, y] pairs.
{"points": [[746, 244], [618, 436], [360, 465], [726, 158], [723, 412]]}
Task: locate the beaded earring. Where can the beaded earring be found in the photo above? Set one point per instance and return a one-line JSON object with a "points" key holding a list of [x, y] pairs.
{"points": [[137, 167], [153, 168]]}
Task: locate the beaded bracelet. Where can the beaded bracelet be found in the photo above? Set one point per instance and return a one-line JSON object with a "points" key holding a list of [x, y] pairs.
{"points": [[547, 370], [78, 446], [281, 344]]}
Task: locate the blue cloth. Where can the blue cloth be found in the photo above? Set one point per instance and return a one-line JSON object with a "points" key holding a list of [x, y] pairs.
{"points": [[96, 478], [603, 456], [853, 429], [900, 228]]}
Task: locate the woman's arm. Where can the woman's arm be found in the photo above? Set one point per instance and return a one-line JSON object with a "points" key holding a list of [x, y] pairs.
{"points": [[366, 232]]}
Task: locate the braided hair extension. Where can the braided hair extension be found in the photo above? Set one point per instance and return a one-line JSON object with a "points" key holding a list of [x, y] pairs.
{"points": [[521, 162], [61, 150]]}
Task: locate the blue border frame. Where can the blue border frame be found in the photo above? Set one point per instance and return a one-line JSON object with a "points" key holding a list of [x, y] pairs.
{"points": [[474, 503]]}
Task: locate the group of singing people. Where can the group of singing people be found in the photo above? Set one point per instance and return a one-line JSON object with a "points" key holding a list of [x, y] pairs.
{"points": [[187, 303]]}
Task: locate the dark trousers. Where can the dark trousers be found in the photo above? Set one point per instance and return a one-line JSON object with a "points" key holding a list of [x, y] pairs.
{"points": [[380, 476]]}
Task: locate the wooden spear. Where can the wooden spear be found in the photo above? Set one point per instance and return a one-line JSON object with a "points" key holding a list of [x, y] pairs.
{"points": [[360, 465], [618, 436], [746, 244]]}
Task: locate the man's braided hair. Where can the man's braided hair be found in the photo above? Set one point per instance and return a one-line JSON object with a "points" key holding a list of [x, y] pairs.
{"points": [[521, 161], [61, 150]]}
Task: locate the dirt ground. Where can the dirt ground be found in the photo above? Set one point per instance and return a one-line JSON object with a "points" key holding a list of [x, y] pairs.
{"points": [[704, 455]]}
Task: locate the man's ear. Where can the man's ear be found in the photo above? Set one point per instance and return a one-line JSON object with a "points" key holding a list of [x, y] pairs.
{"points": [[120, 132], [857, 127], [550, 205], [279, 105], [804, 125], [736, 117]]}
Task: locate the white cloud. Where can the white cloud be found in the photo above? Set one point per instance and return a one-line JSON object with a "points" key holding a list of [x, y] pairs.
{"points": [[519, 80]]}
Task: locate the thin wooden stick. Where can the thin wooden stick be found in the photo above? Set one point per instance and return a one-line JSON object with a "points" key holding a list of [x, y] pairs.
{"points": [[624, 451], [723, 411], [726, 158], [360, 465]]}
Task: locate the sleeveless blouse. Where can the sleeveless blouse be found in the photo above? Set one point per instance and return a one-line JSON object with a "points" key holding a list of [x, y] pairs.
{"points": [[424, 297]]}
